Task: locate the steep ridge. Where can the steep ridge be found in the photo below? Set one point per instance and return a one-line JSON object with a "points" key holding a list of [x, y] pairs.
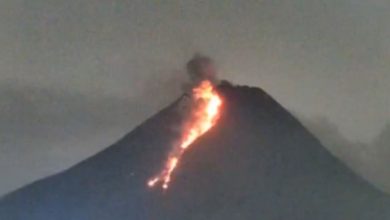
{"points": [[258, 162]]}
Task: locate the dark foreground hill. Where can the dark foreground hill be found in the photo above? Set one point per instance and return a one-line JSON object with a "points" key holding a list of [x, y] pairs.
{"points": [[258, 162]]}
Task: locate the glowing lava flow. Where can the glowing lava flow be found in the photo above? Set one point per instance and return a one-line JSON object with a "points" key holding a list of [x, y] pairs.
{"points": [[203, 115]]}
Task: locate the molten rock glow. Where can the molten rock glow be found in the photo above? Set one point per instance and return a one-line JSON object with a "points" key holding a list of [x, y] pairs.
{"points": [[203, 115]]}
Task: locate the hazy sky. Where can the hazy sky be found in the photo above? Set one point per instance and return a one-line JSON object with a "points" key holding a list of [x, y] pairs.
{"points": [[77, 75]]}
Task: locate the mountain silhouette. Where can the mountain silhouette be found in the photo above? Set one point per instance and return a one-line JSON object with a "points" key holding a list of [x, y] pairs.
{"points": [[257, 162]]}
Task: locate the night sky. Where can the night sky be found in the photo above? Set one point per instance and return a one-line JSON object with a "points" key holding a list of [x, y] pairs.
{"points": [[77, 75]]}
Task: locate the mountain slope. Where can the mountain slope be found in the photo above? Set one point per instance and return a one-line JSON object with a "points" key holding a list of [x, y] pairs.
{"points": [[258, 162]]}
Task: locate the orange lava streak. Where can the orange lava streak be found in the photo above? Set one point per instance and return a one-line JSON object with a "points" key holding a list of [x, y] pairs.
{"points": [[202, 117]]}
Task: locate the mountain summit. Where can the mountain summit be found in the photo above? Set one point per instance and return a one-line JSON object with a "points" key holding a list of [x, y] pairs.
{"points": [[257, 162]]}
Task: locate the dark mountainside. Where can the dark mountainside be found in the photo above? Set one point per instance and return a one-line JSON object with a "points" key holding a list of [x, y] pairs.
{"points": [[258, 162]]}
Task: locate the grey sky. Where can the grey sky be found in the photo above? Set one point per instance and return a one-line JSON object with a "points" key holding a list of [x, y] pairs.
{"points": [[76, 75]]}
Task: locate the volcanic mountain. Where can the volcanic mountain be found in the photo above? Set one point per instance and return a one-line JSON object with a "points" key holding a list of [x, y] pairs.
{"points": [[257, 162]]}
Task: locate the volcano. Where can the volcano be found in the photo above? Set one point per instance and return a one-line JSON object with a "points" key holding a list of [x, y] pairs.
{"points": [[257, 162]]}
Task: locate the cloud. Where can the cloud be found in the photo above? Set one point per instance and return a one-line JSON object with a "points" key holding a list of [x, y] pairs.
{"points": [[370, 160], [45, 130]]}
